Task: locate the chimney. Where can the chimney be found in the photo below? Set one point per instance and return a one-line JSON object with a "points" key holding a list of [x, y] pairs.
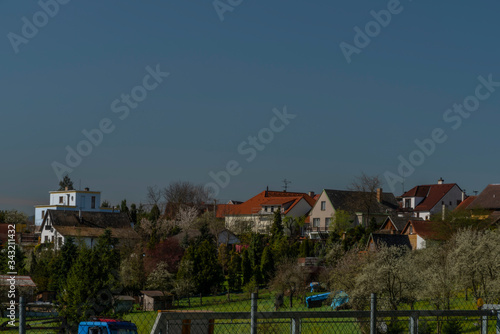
{"points": [[311, 193], [440, 181], [87, 189], [463, 195], [379, 195]]}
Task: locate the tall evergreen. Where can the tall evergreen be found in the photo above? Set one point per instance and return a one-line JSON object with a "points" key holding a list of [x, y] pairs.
{"points": [[267, 264], [92, 280], [246, 267], [277, 226], [208, 275]]}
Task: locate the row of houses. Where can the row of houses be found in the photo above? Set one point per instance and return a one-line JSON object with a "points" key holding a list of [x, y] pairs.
{"points": [[413, 209], [79, 214]]}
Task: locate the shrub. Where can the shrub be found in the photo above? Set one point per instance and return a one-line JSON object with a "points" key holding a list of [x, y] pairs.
{"points": [[452, 327]]}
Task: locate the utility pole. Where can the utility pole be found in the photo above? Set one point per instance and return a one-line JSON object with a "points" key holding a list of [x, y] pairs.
{"points": [[286, 182]]}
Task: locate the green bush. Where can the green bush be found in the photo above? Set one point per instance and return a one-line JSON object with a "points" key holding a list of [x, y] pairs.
{"points": [[452, 327], [395, 327], [425, 327]]}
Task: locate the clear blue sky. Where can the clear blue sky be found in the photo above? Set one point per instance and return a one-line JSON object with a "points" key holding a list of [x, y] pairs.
{"points": [[225, 79]]}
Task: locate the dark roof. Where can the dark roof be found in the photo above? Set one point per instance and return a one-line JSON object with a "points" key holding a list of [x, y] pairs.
{"points": [[89, 219], [91, 224], [489, 198], [427, 230], [153, 293], [431, 193], [391, 240], [398, 222], [345, 200]]}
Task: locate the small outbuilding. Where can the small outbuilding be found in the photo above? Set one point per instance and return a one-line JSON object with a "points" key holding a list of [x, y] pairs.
{"points": [[123, 304], [154, 300]]}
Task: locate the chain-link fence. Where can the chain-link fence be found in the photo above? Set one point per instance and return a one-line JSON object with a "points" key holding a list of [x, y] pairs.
{"points": [[268, 313]]}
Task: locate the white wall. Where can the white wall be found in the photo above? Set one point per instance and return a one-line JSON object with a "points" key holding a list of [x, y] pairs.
{"points": [[454, 195], [316, 211]]}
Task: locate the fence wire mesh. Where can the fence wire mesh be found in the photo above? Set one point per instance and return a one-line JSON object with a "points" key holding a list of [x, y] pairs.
{"points": [[273, 314]]}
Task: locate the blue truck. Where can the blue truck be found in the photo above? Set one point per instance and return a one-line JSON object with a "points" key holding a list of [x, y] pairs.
{"points": [[107, 326]]}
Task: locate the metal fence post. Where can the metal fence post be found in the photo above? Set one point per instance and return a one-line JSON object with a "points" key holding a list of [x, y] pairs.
{"points": [[484, 325], [253, 314], [295, 325], [498, 322], [373, 315], [414, 323], [22, 315]]}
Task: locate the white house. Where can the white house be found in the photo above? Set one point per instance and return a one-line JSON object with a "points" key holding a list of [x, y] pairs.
{"points": [[85, 227], [322, 214], [421, 233], [71, 200], [426, 200], [257, 213]]}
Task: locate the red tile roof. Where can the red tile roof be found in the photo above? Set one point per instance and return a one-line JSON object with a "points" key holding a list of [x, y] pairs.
{"points": [[465, 203], [254, 204], [432, 193], [426, 229]]}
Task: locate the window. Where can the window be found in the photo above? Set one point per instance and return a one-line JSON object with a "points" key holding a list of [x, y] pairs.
{"points": [[46, 238], [323, 205], [93, 202], [59, 241], [61, 199], [315, 222], [407, 203], [43, 214], [328, 221]]}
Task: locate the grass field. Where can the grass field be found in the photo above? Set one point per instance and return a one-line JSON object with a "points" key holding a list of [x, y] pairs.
{"points": [[242, 303]]}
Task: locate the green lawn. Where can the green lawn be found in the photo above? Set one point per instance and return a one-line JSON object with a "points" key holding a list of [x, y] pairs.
{"points": [[242, 303]]}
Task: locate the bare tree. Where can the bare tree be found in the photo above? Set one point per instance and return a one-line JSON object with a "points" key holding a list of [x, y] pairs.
{"points": [[154, 197], [290, 277], [182, 192], [364, 196]]}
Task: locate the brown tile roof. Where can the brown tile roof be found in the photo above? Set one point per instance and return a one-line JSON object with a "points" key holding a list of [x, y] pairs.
{"points": [[465, 203], [432, 193], [254, 204], [426, 229], [20, 281], [489, 198], [92, 224]]}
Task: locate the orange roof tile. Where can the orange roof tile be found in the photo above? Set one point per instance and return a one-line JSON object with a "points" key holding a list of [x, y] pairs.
{"points": [[254, 204], [465, 203]]}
